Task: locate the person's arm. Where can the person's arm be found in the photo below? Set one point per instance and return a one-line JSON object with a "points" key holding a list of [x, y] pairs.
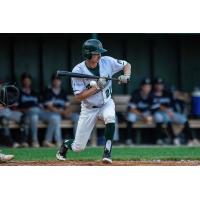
{"points": [[127, 74], [182, 96], [1, 106], [136, 111], [67, 111], [86, 93], [22, 109], [52, 108], [127, 69], [67, 108]]}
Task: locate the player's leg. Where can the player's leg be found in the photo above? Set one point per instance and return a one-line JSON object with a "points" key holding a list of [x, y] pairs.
{"points": [[10, 115], [6, 136], [21, 119], [33, 118], [74, 118], [179, 118], [108, 115], [131, 119], [116, 134], [53, 120], [159, 120], [85, 125], [168, 122]]}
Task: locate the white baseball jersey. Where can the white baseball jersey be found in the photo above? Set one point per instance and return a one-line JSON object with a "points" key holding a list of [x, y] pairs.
{"points": [[107, 67]]}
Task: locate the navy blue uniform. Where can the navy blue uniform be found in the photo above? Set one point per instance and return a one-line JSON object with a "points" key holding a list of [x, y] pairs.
{"points": [[58, 100], [28, 100], [165, 100], [30, 103], [140, 103]]}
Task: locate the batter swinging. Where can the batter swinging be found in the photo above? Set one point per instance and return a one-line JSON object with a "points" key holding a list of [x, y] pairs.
{"points": [[95, 97]]}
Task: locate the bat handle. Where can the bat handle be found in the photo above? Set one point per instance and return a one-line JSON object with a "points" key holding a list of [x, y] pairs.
{"points": [[61, 73]]}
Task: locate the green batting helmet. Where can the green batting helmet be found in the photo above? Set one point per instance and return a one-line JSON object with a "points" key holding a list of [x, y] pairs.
{"points": [[92, 46]]}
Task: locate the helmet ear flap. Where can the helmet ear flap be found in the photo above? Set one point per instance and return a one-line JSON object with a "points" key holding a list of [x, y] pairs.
{"points": [[88, 54]]}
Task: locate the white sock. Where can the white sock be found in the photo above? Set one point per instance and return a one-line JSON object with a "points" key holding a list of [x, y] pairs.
{"points": [[108, 145]]}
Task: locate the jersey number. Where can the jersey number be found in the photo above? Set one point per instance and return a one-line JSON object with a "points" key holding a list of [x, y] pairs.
{"points": [[108, 92]]}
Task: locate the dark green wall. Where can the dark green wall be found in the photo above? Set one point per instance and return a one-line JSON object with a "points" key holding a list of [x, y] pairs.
{"points": [[175, 57]]}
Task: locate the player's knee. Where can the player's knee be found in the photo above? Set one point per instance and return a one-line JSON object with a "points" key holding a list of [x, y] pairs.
{"points": [[55, 119], [109, 119], [181, 119], [131, 117], [34, 118], [158, 118]]}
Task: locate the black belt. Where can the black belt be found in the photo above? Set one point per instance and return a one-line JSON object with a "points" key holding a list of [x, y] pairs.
{"points": [[95, 107]]}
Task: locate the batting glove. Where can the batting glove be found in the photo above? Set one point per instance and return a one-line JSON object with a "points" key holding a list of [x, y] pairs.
{"points": [[101, 83], [124, 79]]}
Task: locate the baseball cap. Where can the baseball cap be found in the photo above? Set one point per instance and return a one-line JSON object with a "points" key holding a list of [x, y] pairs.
{"points": [[146, 81], [54, 77], [158, 80]]}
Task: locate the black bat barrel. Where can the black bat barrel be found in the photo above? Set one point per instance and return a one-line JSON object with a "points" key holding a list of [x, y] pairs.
{"points": [[61, 73]]}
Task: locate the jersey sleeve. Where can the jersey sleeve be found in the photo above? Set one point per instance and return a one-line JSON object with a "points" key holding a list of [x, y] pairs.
{"points": [[116, 65], [77, 83]]}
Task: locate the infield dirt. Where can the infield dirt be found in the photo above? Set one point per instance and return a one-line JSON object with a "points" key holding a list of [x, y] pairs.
{"points": [[99, 163]]}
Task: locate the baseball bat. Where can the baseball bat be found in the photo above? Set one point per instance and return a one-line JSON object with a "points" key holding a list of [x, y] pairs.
{"points": [[63, 73]]}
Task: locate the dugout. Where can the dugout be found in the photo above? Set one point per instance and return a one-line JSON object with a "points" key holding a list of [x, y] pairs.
{"points": [[175, 57]]}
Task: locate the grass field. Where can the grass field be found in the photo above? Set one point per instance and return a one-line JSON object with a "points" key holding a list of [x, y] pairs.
{"points": [[119, 153]]}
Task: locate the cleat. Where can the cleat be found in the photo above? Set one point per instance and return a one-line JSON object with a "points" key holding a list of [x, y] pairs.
{"points": [[62, 153], [177, 142], [107, 157], [35, 145], [129, 142], [48, 144], [5, 158], [24, 145]]}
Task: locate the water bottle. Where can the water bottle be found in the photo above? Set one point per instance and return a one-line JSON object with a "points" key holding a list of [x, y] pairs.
{"points": [[196, 102]]}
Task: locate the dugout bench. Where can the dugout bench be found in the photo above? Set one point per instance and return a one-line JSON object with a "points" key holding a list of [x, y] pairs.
{"points": [[121, 102]]}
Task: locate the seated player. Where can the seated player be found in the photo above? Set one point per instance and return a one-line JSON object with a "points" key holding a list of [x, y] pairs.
{"points": [[56, 107], [8, 96], [139, 107], [28, 104], [8, 114], [162, 105]]}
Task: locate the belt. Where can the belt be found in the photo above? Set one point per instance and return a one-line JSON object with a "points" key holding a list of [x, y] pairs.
{"points": [[95, 107], [90, 107]]}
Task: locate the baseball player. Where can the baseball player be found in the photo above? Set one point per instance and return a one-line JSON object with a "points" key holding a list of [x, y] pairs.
{"points": [[139, 107], [162, 105], [4, 157], [57, 106], [8, 95], [95, 97]]}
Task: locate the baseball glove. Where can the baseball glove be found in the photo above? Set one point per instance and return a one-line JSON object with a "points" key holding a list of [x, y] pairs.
{"points": [[9, 94]]}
